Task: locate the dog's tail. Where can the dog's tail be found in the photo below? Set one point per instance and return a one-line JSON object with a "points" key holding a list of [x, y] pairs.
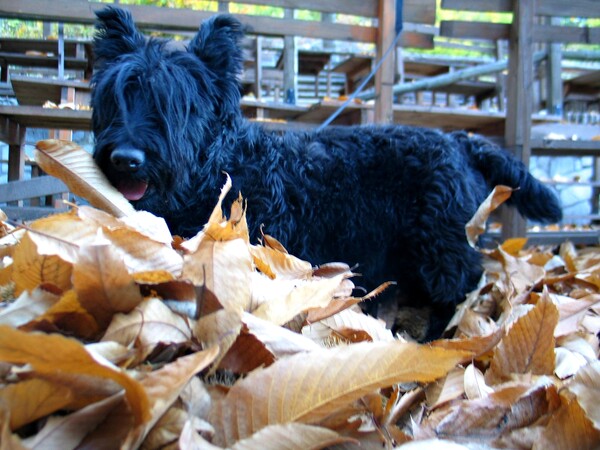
{"points": [[533, 200]]}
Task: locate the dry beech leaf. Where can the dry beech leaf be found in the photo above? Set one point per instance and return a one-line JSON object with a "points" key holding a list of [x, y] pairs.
{"points": [[522, 274], [77, 169], [476, 226], [68, 431], [260, 343], [280, 264], [287, 390], [474, 383], [569, 428], [150, 323], [572, 312], [66, 315], [103, 285], [52, 354], [351, 320], [488, 418], [27, 307], [279, 341], [528, 346], [291, 436], [446, 389], [141, 253], [280, 301], [33, 399], [164, 385], [586, 386], [31, 269], [225, 268], [8, 441]]}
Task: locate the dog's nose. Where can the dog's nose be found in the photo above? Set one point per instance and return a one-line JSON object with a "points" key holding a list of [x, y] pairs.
{"points": [[127, 159]]}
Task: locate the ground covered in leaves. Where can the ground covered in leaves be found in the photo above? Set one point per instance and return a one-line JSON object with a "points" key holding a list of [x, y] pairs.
{"points": [[115, 334]]}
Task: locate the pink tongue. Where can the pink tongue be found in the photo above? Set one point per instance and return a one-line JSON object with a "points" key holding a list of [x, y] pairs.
{"points": [[132, 189]]}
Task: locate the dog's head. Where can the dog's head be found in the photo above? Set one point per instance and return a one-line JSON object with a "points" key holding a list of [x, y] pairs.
{"points": [[159, 105]]}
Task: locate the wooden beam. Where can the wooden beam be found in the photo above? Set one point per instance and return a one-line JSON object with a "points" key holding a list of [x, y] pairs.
{"points": [[384, 78], [16, 157], [517, 135], [290, 64], [572, 8], [554, 84], [418, 11], [496, 31]]}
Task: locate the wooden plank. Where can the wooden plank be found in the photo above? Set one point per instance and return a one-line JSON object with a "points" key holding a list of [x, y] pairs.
{"points": [[38, 117], [384, 77], [19, 45], [555, 33], [418, 11], [558, 8], [541, 33], [35, 187], [556, 147], [20, 59], [517, 134]]}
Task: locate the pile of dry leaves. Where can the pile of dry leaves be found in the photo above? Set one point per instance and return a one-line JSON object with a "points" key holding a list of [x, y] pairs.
{"points": [[115, 335]]}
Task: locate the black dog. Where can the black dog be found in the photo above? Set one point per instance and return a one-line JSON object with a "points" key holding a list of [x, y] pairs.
{"points": [[393, 199]]}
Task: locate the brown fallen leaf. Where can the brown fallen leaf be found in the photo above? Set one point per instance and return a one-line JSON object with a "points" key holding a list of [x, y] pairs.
{"points": [[476, 226], [528, 347], [76, 167], [55, 354], [286, 391]]}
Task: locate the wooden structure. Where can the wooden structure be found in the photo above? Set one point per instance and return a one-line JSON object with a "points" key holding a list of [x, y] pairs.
{"points": [[527, 28], [531, 24]]}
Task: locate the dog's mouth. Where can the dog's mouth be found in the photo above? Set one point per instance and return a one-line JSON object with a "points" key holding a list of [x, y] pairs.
{"points": [[131, 189]]}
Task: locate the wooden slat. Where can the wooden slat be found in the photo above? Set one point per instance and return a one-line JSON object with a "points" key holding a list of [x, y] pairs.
{"points": [[555, 147], [38, 117], [18, 45], [418, 11], [496, 31], [20, 59], [479, 5], [556, 8], [35, 187], [474, 30], [555, 33]]}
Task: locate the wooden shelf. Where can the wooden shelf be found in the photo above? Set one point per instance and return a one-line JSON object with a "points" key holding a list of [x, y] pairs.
{"points": [[37, 91], [47, 118]]}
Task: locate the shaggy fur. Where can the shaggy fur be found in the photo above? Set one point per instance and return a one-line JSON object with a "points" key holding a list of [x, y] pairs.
{"points": [[393, 199]]}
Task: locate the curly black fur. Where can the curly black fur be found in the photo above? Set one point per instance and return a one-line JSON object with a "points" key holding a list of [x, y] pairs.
{"points": [[393, 199]]}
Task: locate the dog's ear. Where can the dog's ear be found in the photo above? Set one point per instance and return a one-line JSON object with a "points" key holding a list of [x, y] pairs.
{"points": [[115, 35], [217, 43]]}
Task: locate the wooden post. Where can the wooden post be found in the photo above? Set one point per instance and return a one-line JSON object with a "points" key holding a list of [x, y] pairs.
{"points": [[517, 133], [290, 63], [554, 99], [384, 78], [258, 67]]}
